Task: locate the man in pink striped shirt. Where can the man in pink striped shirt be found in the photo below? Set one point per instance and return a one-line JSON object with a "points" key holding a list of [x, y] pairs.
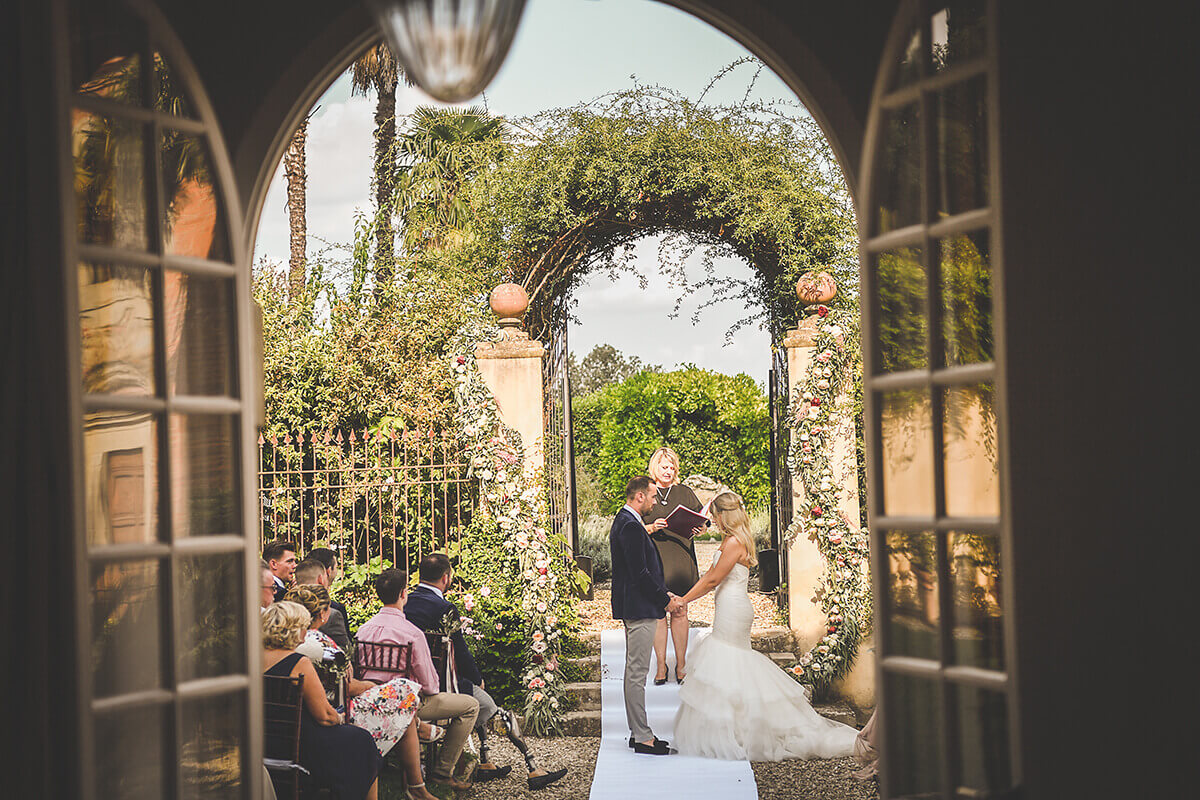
{"points": [[390, 626]]}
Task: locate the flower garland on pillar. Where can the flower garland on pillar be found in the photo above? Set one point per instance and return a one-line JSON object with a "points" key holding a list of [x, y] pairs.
{"points": [[845, 591], [495, 455]]}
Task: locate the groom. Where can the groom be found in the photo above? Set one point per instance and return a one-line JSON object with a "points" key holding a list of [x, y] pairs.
{"points": [[640, 599]]}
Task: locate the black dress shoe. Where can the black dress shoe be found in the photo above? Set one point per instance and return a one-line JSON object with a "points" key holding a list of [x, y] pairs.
{"points": [[542, 781], [657, 741], [678, 679], [659, 748], [660, 681], [484, 775]]}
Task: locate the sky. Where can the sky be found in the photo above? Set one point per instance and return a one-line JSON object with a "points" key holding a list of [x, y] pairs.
{"points": [[566, 51]]}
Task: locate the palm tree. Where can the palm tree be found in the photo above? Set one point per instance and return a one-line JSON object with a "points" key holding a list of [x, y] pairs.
{"points": [[377, 70], [294, 167], [441, 151]]}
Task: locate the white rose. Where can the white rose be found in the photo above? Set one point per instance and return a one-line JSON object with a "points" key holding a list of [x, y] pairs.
{"points": [[486, 474], [804, 437], [834, 330], [822, 384]]}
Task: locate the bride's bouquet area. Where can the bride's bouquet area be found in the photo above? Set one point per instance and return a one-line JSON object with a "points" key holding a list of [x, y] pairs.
{"points": [[845, 591]]}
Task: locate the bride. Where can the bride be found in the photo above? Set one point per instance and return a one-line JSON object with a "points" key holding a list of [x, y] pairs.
{"points": [[736, 703]]}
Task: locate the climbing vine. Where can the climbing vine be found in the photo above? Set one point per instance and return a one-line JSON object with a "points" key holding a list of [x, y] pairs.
{"points": [[845, 591]]}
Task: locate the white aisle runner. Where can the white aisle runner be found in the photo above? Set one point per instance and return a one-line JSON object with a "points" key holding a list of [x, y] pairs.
{"points": [[622, 774]]}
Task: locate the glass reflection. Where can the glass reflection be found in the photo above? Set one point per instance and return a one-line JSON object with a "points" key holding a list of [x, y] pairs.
{"points": [[909, 68], [983, 756], [131, 753], [169, 95], [120, 477], [977, 586], [126, 637], [902, 327], [192, 223], [211, 756], [899, 189], [914, 735], [959, 33], [972, 474], [965, 273], [116, 328], [110, 173], [962, 147], [198, 316], [912, 594], [907, 428], [203, 471], [210, 605], [106, 43]]}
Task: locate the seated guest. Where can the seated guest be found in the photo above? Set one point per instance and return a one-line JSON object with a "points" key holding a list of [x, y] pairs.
{"points": [[266, 584], [333, 569], [341, 757], [387, 711], [426, 608], [312, 571], [280, 556], [390, 626]]}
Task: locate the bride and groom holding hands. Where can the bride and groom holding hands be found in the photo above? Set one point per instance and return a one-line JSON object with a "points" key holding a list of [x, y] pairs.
{"points": [[735, 703]]}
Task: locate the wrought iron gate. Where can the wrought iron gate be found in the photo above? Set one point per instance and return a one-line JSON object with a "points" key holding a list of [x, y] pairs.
{"points": [[559, 451], [781, 477]]}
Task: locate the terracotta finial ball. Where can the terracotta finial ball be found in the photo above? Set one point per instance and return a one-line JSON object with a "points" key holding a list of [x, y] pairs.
{"points": [[816, 287], [508, 301]]}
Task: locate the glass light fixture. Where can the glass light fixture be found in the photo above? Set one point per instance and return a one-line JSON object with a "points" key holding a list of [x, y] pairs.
{"points": [[450, 48]]}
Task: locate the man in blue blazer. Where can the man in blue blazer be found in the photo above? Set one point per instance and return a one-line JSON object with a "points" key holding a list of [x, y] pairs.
{"points": [[639, 599], [426, 608]]}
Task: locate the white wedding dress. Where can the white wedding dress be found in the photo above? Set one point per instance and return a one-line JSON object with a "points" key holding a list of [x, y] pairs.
{"points": [[735, 703]]}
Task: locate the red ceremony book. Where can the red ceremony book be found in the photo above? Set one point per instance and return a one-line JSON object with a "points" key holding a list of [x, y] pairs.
{"points": [[683, 520]]}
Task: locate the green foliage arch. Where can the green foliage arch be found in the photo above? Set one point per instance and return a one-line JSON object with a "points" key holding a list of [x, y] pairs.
{"points": [[574, 189]]}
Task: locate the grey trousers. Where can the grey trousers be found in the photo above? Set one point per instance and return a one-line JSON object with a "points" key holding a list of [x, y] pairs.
{"points": [[639, 644]]}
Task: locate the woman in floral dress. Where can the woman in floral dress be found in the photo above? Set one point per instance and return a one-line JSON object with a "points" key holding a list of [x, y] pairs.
{"points": [[387, 711]]}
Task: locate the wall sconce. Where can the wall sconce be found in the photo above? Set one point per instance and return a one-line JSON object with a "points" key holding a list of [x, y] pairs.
{"points": [[450, 48]]}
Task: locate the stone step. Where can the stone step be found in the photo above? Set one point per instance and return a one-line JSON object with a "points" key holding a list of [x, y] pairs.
{"points": [[784, 659], [590, 666], [586, 694], [591, 642], [773, 640], [838, 711], [582, 723]]}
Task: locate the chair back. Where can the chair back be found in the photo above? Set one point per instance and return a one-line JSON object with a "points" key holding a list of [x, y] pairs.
{"points": [[283, 703], [388, 657], [440, 651], [282, 706]]}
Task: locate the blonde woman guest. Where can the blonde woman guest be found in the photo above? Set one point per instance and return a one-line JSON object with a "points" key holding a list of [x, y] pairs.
{"points": [[678, 555], [737, 703], [386, 711], [339, 756]]}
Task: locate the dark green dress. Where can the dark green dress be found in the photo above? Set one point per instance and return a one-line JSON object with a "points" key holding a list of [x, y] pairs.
{"points": [[677, 552]]}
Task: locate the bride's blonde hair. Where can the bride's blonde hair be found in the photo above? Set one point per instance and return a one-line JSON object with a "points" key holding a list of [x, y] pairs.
{"points": [[729, 512]]}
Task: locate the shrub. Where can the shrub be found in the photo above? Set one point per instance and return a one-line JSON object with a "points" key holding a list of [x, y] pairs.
{"points": [[593, 543], [717, 423]]}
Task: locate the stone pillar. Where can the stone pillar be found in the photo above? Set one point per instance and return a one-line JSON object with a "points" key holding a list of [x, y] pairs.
{"points": [[512, 369], [806, 565]]}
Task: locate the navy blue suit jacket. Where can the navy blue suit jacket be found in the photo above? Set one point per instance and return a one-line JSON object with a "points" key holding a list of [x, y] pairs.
{"points": [[638, 589], [426, 610]]}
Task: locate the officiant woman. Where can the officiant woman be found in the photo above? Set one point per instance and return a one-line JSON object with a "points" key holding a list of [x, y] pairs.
{"points": [[678, 557]]}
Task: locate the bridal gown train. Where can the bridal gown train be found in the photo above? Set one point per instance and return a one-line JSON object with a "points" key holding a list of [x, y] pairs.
{"points": [[737, 704]]}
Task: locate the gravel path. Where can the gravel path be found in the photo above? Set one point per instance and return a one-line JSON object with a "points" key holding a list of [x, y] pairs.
{"points": [[827, 779], [576, 753]]}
